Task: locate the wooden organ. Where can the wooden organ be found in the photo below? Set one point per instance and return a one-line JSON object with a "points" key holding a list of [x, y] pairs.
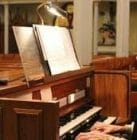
{"points": [[56, 108]]}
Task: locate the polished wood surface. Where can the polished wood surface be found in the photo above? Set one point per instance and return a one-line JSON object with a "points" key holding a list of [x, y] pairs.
{"points": [[11, 69], [112, 93], [25, 114], [113, 84], [28, 112], [115, 63], [26, 120]]}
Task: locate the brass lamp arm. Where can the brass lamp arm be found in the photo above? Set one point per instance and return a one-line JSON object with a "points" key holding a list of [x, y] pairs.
{"points": [[50, 5], [38, 11]]}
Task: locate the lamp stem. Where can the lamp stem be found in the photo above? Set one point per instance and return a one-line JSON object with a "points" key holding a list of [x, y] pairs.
{"points": [[38, 12]]}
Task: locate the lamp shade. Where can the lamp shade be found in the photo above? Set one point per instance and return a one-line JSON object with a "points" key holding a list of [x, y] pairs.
{"points": [[51, 8]]}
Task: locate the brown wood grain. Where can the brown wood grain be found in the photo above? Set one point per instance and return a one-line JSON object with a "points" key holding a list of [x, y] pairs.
{"points": [[112, 83], [31, 117], [112, 93]]}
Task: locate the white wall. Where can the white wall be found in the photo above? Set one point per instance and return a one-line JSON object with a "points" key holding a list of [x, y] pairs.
{"points": [[122, 46], [83, 18], [83, 30]]}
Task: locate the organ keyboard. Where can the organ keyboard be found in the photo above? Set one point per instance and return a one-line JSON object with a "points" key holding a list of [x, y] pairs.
{"points": [[82, 122], [89, 114]]}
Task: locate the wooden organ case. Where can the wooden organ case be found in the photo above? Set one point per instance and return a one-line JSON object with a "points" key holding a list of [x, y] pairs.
{"points": [[27, 113], [37, 106], [55, 108]]}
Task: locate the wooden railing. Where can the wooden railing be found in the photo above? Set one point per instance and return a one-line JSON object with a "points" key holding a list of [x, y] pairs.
{"points": [[115, 63]]}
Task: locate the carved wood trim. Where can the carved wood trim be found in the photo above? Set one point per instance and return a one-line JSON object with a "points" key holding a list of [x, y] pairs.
{"points": [[28, 121]]}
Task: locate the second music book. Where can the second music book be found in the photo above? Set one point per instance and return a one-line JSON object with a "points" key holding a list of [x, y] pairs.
{"points": [[57, 48]]}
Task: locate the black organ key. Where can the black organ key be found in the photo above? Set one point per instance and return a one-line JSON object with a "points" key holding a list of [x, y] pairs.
{"points": [[70, 116], [102, 118], [78, 121]]}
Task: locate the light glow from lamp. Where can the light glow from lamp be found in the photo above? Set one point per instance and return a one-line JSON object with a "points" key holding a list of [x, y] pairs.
{"points": [[51, 8], [53, 11]]}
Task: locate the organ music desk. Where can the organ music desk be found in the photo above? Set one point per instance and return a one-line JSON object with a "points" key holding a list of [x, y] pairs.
{"points": [[40, 111]]}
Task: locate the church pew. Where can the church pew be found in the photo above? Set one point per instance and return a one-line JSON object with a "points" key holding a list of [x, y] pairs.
{"points": [[11, 67], [114, 78], [10, 60], [111, 91]]}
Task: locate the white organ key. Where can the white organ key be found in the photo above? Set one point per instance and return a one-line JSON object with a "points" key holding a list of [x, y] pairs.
{"points": [[109, 120], [64, 129]]}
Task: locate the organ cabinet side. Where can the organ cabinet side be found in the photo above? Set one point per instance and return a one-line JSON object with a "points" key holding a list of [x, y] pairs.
{"points": [[24, 117]]}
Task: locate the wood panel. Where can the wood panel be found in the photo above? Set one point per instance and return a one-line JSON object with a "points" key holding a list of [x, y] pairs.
{"points": [[113, 65], [112, 92], [65, 89], [133, 100], [28, 120]]}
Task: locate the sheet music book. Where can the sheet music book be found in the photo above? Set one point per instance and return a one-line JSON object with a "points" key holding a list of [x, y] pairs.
{"points": [[57, 48], [29, 53]]}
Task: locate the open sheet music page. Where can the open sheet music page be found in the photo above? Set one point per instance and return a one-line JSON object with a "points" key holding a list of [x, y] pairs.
{"points": [[57, 47], [28, 51]]}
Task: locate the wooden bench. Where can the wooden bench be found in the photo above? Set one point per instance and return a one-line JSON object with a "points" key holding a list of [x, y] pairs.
{"points": [[11, 67], [114, 78]]}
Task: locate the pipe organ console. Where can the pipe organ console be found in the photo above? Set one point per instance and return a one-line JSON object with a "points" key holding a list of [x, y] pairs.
{"points": [[57, 108]]}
